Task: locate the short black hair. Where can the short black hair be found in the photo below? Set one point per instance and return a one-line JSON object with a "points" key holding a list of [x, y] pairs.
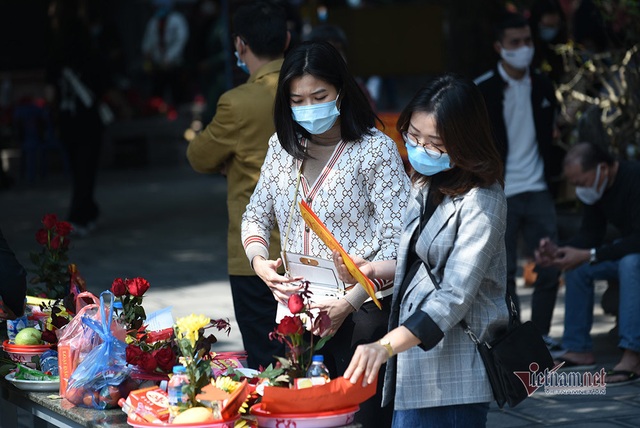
{"points": [[509, 20], [263, 26], [588, 155], [322, 61]]}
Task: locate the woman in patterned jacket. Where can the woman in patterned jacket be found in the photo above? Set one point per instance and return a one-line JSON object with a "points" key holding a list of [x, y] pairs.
{"points": [[451, 265], [327, 151]]}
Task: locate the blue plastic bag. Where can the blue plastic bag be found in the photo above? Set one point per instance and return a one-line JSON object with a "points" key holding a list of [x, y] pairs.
{"points": [[102, 378]]}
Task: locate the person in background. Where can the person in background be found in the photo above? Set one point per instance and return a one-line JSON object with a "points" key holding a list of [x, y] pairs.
{"points": [[549, 28], [235, 144], [327, 152], [207, 52], [522, 111], [163, 44], [337, 37], [13, 283], [78, 77], [610, 192], [450, 265]]}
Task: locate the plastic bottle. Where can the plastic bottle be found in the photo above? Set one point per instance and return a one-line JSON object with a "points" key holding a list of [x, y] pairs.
{"points": [[49, 362], [318, 372], [174, 390]]}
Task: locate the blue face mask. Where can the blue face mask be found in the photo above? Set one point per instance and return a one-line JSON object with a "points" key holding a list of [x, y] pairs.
{"points": [[425, 164], [316, 118], [241, 64], [548, 33]]}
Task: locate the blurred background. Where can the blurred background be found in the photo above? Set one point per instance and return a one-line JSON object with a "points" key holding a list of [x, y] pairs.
{"points": [[165, 222]]}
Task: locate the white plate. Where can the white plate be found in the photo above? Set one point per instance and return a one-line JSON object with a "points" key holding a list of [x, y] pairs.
{"points": [[33, 385], [336, 418]]}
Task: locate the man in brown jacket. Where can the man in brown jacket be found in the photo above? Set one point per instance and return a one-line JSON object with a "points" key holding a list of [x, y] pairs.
{"points": [[235, 143]]}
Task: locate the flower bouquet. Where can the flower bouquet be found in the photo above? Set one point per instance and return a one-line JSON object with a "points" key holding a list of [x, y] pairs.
{"points": [[54, 277], [284, 398]]}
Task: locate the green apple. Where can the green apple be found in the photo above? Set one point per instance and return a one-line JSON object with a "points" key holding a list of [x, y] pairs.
{"points": [[28, 336]]}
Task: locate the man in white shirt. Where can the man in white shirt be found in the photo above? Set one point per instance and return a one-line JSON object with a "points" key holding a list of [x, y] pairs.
{"points": [[522, 110]]}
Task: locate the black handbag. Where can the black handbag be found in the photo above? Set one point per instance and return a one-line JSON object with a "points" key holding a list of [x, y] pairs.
{"points": [[519, 348]]}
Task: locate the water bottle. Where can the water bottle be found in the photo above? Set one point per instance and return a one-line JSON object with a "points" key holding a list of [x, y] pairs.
{"points": [[49, 362], [318, 372], [174, 390]]}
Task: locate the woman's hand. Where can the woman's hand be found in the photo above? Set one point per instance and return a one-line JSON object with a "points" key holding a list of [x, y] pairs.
{"points": [[366, 362], [338, 310], [281, 286], [343, 273]]}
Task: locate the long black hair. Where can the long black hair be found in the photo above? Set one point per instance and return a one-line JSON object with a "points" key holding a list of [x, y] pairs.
{"points": [[322, 61]]}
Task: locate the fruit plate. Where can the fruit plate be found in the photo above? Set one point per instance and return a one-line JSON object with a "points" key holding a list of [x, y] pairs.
{"points": [[33, 385], [334, 418], [214, 424]]}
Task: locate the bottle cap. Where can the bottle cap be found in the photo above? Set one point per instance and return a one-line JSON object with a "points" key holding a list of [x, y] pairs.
{"points": [[179, 369], [318, 358]]}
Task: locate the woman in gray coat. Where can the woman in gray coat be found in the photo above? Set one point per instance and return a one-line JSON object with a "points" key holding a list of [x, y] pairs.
{"points": [[450, 266]]}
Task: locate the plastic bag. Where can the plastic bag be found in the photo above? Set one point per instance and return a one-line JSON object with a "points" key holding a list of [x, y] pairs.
{"points": [[76, 339], [102, 378]]}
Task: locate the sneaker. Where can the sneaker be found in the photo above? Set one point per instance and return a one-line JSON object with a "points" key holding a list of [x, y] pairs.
{"points": [[82, 230], [555, 348]]}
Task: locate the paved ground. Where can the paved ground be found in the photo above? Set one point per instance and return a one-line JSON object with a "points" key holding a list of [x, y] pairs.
{"points": [[169, 226]]}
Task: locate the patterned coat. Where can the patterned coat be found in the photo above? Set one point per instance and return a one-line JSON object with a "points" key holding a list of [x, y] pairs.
{"points": [[360, 195], [463, 243]]}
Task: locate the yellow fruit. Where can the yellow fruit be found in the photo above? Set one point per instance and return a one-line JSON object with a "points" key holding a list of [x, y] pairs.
{"points": [[193, 415]]}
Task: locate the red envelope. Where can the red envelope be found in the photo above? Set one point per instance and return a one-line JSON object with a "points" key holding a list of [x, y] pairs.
{"points": [[338, 394]]}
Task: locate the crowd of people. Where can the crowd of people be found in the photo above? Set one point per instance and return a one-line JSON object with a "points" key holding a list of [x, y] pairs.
{"points": [[442, 243]]}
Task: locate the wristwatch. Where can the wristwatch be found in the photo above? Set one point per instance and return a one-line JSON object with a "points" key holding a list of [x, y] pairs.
{"points": [[592, 256], [387, 346]]}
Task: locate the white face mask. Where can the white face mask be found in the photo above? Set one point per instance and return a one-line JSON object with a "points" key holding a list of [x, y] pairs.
{"points": [[591, 195], [518, 58]]}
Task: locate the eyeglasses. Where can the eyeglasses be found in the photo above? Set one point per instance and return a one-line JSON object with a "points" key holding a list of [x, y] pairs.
{"points": [[413, 141]]}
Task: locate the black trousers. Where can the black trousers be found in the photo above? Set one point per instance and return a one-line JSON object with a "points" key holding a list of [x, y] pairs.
{"points": [[255, 310], [364, 326], [81, 135]]}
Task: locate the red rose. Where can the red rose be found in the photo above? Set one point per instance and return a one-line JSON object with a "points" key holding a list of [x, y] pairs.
{"points": [[42, 237], [50, 221], [63, 228], [55, 242], [147, 362], [295, 303], [137, 286], [290, 325], [118, 287], [133, 354], [165, 358]]}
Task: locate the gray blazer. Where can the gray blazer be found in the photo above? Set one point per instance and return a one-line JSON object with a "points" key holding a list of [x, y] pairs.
{"points": [[463, 243]]}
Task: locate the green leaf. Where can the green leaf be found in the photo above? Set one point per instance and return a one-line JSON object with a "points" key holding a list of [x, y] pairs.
{"points": [[321, 342]]}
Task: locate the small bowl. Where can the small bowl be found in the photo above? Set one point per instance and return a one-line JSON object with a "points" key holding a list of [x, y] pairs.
{"points": [[23, 354]]}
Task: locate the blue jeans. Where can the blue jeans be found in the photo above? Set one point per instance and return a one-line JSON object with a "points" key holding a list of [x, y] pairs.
{"points": [[579, 297], [532, 215], [460, 416]]}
